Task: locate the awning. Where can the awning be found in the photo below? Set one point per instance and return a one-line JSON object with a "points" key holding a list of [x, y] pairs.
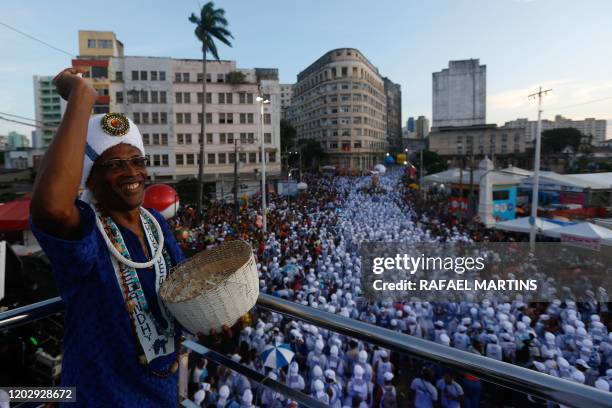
{"points": [[14, 215]]}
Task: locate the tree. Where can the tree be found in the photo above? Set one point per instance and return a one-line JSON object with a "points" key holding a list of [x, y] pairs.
{"points": [[210, 25], [312, 152], [288, 135], [555, 140], [432, 162]]}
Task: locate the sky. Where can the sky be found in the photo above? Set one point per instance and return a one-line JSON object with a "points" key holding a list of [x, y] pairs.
{"points": [[558, 44]]}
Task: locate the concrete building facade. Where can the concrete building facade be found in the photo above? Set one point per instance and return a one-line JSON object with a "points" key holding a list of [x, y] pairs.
{"points": [[589, 126], [164, 97], [456, 143], [394, 114], [421, 127], [340, 101], [285, 100], [460, 94], [48, 108]]}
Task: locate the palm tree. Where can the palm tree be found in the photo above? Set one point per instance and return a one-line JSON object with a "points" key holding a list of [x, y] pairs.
{"points": [[210, 25]]}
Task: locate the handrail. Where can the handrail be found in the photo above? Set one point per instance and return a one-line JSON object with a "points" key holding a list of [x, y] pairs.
{"points": [[497, 372]]}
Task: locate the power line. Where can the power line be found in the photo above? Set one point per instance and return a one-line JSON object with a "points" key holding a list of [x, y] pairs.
{"points": [[21, 117], [27, 124], [583, 103], [36, 39]]}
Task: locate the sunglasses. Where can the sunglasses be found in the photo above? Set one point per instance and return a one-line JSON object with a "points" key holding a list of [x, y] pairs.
{"points": [[115, 165]]}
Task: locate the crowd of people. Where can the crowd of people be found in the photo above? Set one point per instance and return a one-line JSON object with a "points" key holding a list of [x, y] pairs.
{"points": [[311, 255]]}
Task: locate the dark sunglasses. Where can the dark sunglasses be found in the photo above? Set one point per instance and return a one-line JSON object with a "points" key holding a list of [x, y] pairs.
{"points": [[138, 162]]}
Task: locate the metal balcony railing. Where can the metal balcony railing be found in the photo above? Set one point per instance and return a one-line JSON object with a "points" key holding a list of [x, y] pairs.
{"points": [[497, 372]]}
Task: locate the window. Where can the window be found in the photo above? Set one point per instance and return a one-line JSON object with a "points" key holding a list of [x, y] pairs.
{"points": [[230, 138], [187, 117], [267, 118], [156, 160], [228, 98], [145, 139], [249, 98], [153, 75], [242, 157], [221, 98], [208, 97], [501, 195], [155, 118], [154, 97], [199, 97], [178, 97], [180, 139], [242, 98], [163, 118], [105, 44], [252, 157], [179, 159], [221, 158], [134, 75], [143, 75], [187, 97], [164, 139], [165, 162], [231, 158], [179, 118], [199, 118], [144, 97], [242, 118], [250, 118], [199, 77], [190, 159], [211, 158], [119, 76], [136, 118], [221, 138], [221, 118], [188, 138], [268, 138], [185, 76], [243, 138], [91, 43], [155, 139], [177, 77], [209, 118], [119, 97], [272, 157], [220, 78], [251, 138], [162, 75], [162, 96], [209, 138]]}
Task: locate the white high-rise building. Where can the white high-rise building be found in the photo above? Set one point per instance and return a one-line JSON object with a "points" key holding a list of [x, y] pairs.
{"points": [[460, 94], [286, 95], [589, 126], [48, 109], [164, 97]]}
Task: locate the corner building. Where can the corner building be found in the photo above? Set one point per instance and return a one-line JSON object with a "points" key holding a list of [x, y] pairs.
{"points": [[340, 101]]}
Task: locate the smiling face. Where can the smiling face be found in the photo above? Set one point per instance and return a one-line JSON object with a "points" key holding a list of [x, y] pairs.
{"points": [[118, 189]]}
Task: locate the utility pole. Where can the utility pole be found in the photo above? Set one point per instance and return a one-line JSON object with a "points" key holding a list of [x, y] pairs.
{"points": [[471, 197], [422, 172], [536, 170], [236, 205]]}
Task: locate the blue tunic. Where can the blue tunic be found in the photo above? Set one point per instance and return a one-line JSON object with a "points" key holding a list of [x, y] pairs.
{"points": [[100, 355]]}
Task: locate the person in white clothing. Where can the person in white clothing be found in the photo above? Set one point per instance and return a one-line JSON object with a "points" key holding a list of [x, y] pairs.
{"points": [[451, 393], [425, 394]]}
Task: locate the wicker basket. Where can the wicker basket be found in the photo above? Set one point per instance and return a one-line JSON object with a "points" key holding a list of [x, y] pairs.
{"points": [[213, 288]]}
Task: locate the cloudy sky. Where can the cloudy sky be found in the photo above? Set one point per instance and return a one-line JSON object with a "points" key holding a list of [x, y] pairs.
{"points": [[559, 44]]}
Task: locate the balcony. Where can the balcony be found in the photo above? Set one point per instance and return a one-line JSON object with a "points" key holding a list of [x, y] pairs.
{"points": [[499, 373]]}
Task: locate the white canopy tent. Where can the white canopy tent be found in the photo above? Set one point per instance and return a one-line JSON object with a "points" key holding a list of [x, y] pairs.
{"points": [[585, 230], [523, 225]]}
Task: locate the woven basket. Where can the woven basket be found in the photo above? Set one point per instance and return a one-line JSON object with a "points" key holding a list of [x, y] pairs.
{"points": [[213, 288]]}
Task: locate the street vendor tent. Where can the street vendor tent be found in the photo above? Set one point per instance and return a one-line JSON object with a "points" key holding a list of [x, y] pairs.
{"points": [[14, 215], [523, 225], [583, 230]]}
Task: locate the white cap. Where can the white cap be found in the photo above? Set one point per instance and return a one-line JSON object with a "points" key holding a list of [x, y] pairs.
{"points": [[330, 374], [358, 371], [578, 376], [224, 391], [362, 356], [602, 384], [318, 385], [333, 350], [388, 376], [319, 345], [317, 371], [247, 396]]}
